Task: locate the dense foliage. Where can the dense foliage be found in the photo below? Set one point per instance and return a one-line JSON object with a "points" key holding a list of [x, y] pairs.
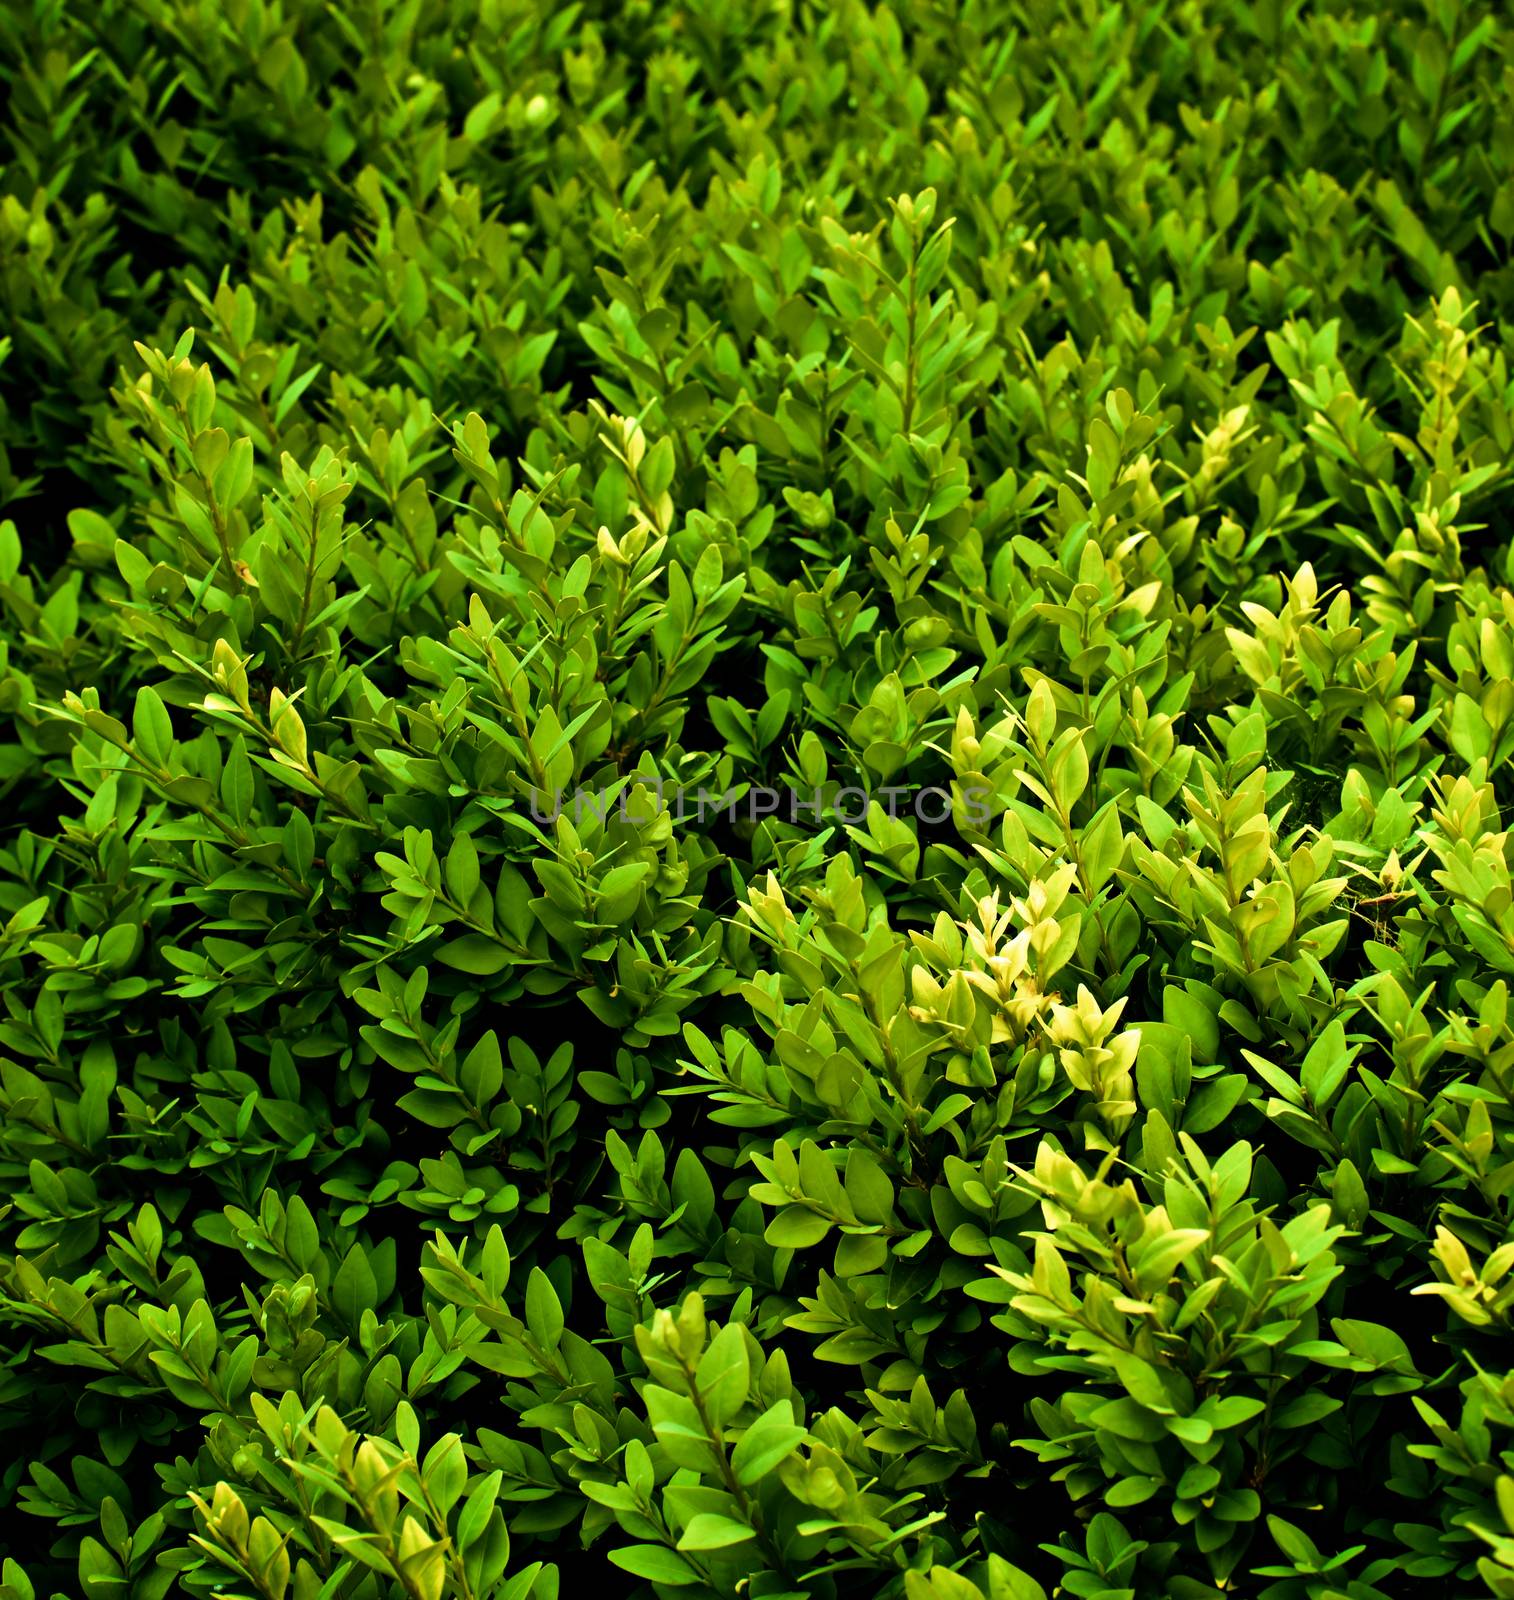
{"points": [[414, 412]]}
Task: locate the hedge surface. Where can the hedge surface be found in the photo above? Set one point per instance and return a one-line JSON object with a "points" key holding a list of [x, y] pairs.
{"points": [[415, 412]]}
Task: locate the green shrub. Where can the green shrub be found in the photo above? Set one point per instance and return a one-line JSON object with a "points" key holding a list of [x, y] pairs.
{"points": [[506, 1083]]}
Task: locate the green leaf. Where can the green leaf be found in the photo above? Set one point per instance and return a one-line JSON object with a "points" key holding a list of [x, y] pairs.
{"points": [[544, 1314], [770, 1440], [475, 954], [724, 1374], [710, 1531], [795, 1228], [655, 1563]]}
